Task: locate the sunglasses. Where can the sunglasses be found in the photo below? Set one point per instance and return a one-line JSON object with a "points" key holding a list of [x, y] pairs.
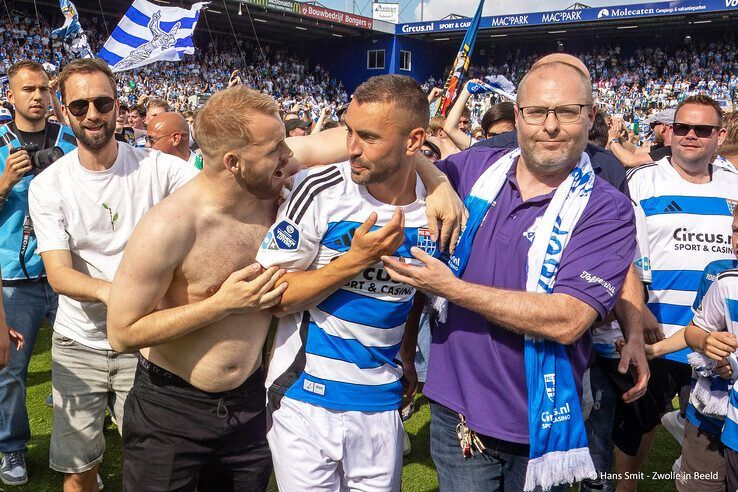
{"points": [[429, 153], [701, 131], [103, 105]]}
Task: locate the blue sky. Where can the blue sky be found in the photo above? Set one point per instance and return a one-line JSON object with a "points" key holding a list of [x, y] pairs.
{"points": [[437, 9]]}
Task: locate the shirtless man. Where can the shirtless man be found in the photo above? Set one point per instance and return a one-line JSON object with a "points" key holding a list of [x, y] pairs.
{"points": [[197, 410]]}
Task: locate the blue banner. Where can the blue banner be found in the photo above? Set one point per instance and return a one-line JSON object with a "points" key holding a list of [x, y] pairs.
{"points": [[461, 64], [615, 12]]}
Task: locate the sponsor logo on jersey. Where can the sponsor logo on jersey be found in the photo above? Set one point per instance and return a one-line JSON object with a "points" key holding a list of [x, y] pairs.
{"points": [[286, 236], [701, 241]]}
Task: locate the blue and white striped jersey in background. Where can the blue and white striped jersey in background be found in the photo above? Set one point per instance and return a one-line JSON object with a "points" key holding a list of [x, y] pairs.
{"points": [[688, 226], [341, 353], [718, 311], [604, 336], [711, 424]]}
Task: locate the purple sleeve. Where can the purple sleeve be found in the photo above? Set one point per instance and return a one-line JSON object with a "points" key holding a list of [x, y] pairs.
{"points": [[597, 258], [464, 168]]}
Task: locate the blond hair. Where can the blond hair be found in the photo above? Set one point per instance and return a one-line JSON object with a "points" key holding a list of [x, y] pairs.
{"points": [[730, 145], [223, 122]]}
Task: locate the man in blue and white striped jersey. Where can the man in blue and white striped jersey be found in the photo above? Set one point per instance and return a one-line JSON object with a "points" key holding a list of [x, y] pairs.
{"points": [[334, 380], [688, 202]]}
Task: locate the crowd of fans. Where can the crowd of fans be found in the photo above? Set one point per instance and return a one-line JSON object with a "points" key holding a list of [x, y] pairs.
{"points": [[285, 76], [636, 83]]}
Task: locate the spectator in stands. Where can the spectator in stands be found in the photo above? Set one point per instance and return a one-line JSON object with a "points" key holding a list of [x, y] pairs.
{"points": [[630, 155], [498, 119], [729, 147], [5, 116], [123, 132], [155, 107], [137, 117], [598, 133], [465, 120], [27, 295], [169, 133], [296, 127]]}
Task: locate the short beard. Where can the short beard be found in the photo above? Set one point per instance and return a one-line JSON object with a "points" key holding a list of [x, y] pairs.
{"points": [[94, 143], [32, 119], [561, 162], [259, 186], [375, 173]]}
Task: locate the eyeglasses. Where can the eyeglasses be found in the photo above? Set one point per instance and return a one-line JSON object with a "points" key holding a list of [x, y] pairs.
{"points": [[429, 153], [152, 140], [701, 131], [103, 105], [567, 113]]}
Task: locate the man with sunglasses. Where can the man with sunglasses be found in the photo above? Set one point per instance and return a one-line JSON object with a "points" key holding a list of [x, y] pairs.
{"points": [[169, 133], [687, 200], [84, 208], [27, 295]]}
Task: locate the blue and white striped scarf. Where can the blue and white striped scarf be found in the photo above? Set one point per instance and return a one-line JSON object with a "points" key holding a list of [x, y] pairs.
{"points": [[558, 440]]}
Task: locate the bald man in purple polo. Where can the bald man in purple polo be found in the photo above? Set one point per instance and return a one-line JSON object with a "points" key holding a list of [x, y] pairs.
{"points": [[476, 371]]}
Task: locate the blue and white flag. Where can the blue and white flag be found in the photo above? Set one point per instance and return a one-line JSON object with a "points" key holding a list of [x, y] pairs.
{"points": [[75, 39], [149, 33], [495, 83]]}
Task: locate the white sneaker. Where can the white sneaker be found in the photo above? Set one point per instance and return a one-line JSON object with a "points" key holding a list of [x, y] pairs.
{"points": [[406, 447], [674, 423], [13, 470], [100, 484]]}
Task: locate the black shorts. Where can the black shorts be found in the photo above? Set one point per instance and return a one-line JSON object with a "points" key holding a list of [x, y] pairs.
{"points": [[633, 420], [177, 437]]}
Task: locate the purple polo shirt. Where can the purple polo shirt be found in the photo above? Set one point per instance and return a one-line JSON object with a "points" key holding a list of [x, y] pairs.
{"points": [[476, 368]]}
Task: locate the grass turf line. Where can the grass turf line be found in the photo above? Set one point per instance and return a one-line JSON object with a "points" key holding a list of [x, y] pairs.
{"points": [[418, 472]]}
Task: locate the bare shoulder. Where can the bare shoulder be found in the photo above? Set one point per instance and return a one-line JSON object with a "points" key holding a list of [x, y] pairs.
{"points": [[169, 223]]}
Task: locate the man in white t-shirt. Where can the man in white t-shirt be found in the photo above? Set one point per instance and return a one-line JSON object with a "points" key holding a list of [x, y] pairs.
{"points": [[84, 208]]}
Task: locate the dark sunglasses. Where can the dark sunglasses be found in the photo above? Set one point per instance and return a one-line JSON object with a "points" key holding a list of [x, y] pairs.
{"points": [[701, 131], [429, 153], [103, 105]]}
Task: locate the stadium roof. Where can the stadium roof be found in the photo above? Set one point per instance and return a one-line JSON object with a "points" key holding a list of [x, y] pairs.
{"points": [[282, 23], [597, 30]]}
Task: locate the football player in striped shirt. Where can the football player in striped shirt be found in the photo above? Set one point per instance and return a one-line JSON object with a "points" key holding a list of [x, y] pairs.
{"points": [[341, 351]]}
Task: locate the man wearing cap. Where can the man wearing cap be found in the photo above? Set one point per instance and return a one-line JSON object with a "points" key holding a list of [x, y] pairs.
{"points": [[296, 127], [661, 124], [27, 296]]}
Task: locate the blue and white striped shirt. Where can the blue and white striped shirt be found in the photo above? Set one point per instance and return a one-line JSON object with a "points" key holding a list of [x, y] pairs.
{"points": [[688, 226], [341, 353]]}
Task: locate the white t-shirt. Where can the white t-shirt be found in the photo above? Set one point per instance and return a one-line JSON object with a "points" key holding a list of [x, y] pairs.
{"points": [[92, 214]]}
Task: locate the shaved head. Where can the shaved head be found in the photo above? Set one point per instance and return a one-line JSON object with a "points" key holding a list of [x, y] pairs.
{"points": [[169, 133], [565, 58], [170, 122]]}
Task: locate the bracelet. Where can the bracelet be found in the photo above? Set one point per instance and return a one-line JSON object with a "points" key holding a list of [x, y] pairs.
{"points": [[615, 140]]}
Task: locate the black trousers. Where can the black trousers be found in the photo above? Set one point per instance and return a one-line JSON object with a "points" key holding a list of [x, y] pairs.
{"points": [[177, 437]]}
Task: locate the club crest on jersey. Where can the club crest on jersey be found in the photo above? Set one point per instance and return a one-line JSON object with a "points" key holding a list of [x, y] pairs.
{"points": [[550, 381], [643, 263], [731, 204], [425, 242], [284, 236]]}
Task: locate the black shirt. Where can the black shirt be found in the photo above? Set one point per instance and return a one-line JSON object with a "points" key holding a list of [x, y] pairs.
{"points": [[604, 162], [38, 138], [660, 152]]}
